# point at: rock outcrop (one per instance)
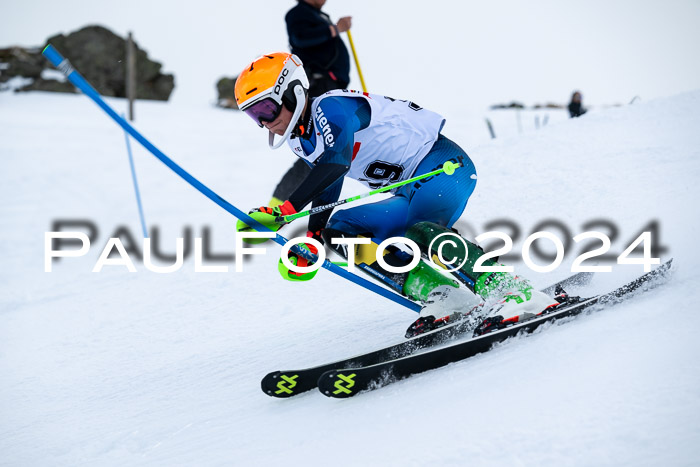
(225, 87)
(98, 54)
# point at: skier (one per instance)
(379, 140)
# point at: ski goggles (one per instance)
(266, 110)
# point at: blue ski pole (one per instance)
(79, 82)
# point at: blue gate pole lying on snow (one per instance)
(79, 82)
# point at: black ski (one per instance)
(289, 383)
(343, 383)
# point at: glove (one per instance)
(303, 262)
(267, 216)
(300, 260)
(283, 209)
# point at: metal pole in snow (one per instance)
(130, 75)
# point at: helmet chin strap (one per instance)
(301, 102)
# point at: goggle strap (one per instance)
(301, 102)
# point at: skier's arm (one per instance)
(338, 119)
(319, 179)
(317, 222)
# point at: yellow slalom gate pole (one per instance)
(357, 63)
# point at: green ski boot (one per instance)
(463, 252)
(422, 279)
(508, 298)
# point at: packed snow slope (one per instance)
(120, 368)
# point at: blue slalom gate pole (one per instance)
(136, 183)
(79, 82)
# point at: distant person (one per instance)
(315, 39)
(576, 106)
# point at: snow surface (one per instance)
(121, 368)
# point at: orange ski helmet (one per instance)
(268, 83)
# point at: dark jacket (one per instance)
(576, 109)
(310, 38)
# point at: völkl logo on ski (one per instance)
(281, 386)
(348, 380)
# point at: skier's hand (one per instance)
(283, 209)
(300, 260)
(344, 23)
(267, 216)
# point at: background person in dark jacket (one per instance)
(576, 105)
(315, 39)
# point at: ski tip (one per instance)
(662, 270)
(666, 267)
